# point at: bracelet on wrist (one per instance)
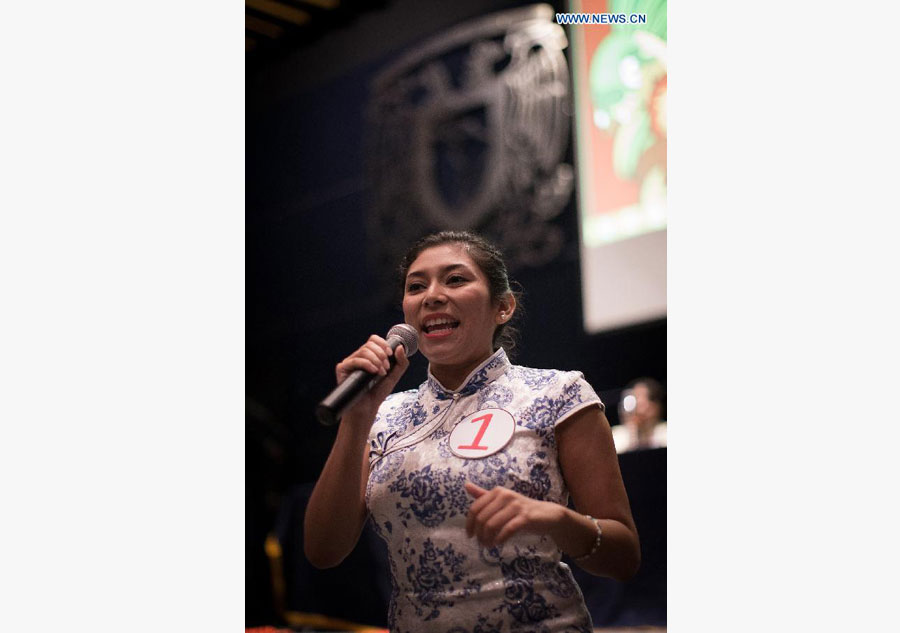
(596, 540)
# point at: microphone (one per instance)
(331, 409)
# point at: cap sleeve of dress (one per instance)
(575, 394)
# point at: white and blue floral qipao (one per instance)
(444, 581)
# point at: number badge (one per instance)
(482, 433)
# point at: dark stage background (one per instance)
(312, 295)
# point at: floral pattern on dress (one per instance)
(537, 379)
(443, 447)
(521, 601)
(384, 469)
(539, 418)
(493, 470)
(536, 484)
(496, 397)
(416, 415)
(399, 410)
(434, 496)
(560, 583)
(436, 575)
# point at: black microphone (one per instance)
(331, 409)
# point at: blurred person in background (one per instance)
(642, 412)
(467, 478)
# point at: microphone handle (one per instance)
(330, 410)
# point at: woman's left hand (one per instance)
(497, 514)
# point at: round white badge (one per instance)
(482, 433)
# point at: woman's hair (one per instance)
(490, 260)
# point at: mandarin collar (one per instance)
(490, 369)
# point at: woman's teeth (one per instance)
(440, 324)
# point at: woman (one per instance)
(642, 414)
(467, 477)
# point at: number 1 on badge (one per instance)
(487, 441)
(484, 425)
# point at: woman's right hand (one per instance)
(373, 357)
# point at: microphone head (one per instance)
(408, 336)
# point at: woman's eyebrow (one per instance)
(443, 271)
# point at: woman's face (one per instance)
(646, 410)
(448, 300)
